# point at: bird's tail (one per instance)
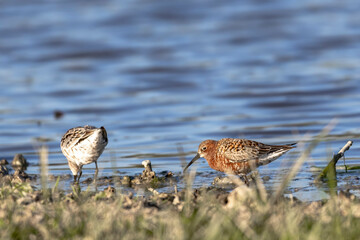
(275, 152)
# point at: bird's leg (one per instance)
(76, 184)
(75, 176)
(80, 173)
(244, 178)
(96, 171)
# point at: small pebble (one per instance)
(126, 180)
(19, 161)
(3, 170)
(3, 162)
(109, 191)
(266, 178)
(169, 174)
(147, 165)
(58, 114)
(87, 181)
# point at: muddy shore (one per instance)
(131, 207)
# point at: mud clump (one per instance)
(110, 192)
(147, 178)
(126, 180)
(222, 181)
(266, 178)
(58, 114)
(19, 161)
(4, 162)
(148, 173)
(20, 177)
(3, 170)
(88, 181)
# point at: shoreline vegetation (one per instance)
(204, 213)
(246, 212)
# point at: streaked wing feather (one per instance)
(241, 150)
(78, 134)
(246, 150)
(85, 133)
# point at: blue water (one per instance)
(164, 74)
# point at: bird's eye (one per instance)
(203, 149)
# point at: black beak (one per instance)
(197, 156)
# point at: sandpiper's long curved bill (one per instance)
(197, 156)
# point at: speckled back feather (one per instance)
(75, 135)
(241, 150)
